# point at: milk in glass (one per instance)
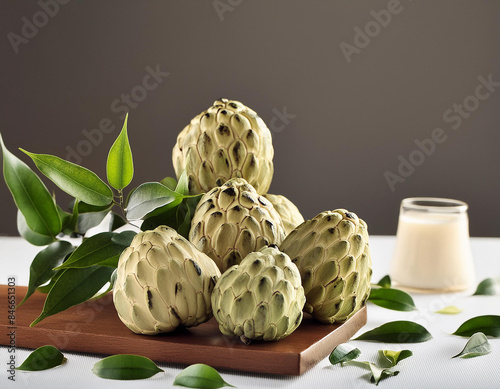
(433, 249)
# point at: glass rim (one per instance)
(434, 204)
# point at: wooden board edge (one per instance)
(289, 363)
(320, 350)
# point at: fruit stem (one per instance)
(120, 203)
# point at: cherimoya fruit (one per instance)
(232, 221)
(228, 140)
(163, 282)
(261, 298)
(332, 254)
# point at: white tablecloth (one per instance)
(431, 365)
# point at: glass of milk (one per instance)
(432, 247)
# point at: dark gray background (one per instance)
(353, 120)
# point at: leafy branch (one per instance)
(72, 275)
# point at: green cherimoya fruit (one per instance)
(290, 214)
(228, 140)
(232, 221)
(261, 298)
(163, 282)
(333, 256)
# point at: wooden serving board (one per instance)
(95, 327)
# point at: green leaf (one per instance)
(116, 222)
(488, 287)
(124, 238)
(343, 353)
(185, 213)
(31, 236)
(96, 250)
(73, 287)
(178, 217)
(397, 332)
(90, 216)
(183, 207)
(120, 166)
(46, 288)
(43, 358)
(87, 208)
(185, 226)
(86, 221)
(378, 373)
(487, 324)
(385, 282)
(476, 346)
(43, 263)
(125, 367)
(102, 294)
(169, 182)
(449, 310)
(167, 218)
(391, 358)
(200, 376)
(112, 279)
(69, 220)
(148, 197)
(30, 195)
(394, 299)
(182, 186)
(65, 216)
(75, 180)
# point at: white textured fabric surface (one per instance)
(430, 367)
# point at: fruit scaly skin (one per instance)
(332, 254)
(228, 140)
(163, 282)
(290, 214)
(232, 221)
(261, 298)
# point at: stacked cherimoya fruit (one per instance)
(228, 140)
(290, 214)
(233, 220)
(261, 298)
(163, 282)
(273, 263)
(333, 256)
